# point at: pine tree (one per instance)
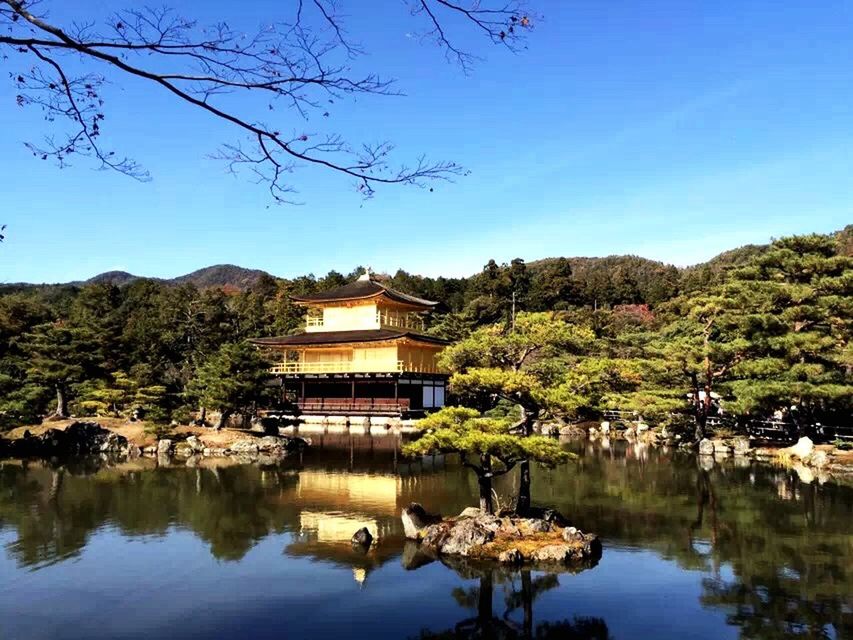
(499, 363)
(796, 303)
(60, 356)
(487, 446)
(231, 381)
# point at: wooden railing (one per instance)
(343, 366)
(358, 405)
(351, 366)
(403, 321)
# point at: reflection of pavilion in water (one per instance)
(335, 503)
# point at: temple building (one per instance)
(363, 352)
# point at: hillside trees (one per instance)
(797, 301)
(59, 357)
(774, 334)
(231, 381)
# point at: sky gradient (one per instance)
(668, 129)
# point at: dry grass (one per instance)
(527, 545)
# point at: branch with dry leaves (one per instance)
(303, 63)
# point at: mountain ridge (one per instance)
(235, 277)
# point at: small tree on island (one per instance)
(518, 364)
(231, 381)
(487, 446)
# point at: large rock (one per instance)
(467, 535)
(721, 448)
(416, 519)
(535, 525)
(164, 447)
(589, 543)
(706, 447)
(818, 459)
(803, 449)
(741, 446)
(573, 430)
(272, 443)
(362, 538)
(511, 556)
(80, 438)
(244, 447)
(195, 445)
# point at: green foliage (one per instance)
(524, 365)
(232, 380)
(468, 433)
(774, 333)
(773, 322)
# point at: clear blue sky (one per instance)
(668, 129)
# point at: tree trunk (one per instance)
(202, 415)
(484, 600)
(523, 505)
(698, 414)
(699, 434)
(61, 403)
(527, 602)
(223, 420)
(484, 479)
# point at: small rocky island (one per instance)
(542, 538)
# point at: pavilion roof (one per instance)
(362, 289)
(318, 338)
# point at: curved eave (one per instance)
(337, 338)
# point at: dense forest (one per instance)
(765, 327)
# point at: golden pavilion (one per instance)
(363, 352)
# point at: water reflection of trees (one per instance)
(520, 590)
(785, 544)
(776, 551)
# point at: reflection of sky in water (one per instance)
(172, 587)
(251, 552)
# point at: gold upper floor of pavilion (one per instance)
(360, 327)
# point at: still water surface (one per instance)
(220, 550)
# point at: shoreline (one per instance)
(821, 462)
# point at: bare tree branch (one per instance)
(304, 63)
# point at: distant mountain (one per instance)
(118, 278)
(222, 275)
(603, 279)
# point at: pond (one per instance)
(691, 550)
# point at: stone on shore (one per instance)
(706, 447)
(741, 446)
(803, 449)
(721, 448)
(511, 556)
(416, 519)
(164, 447)
(195, 445)
(818, 459)
(244, 447)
